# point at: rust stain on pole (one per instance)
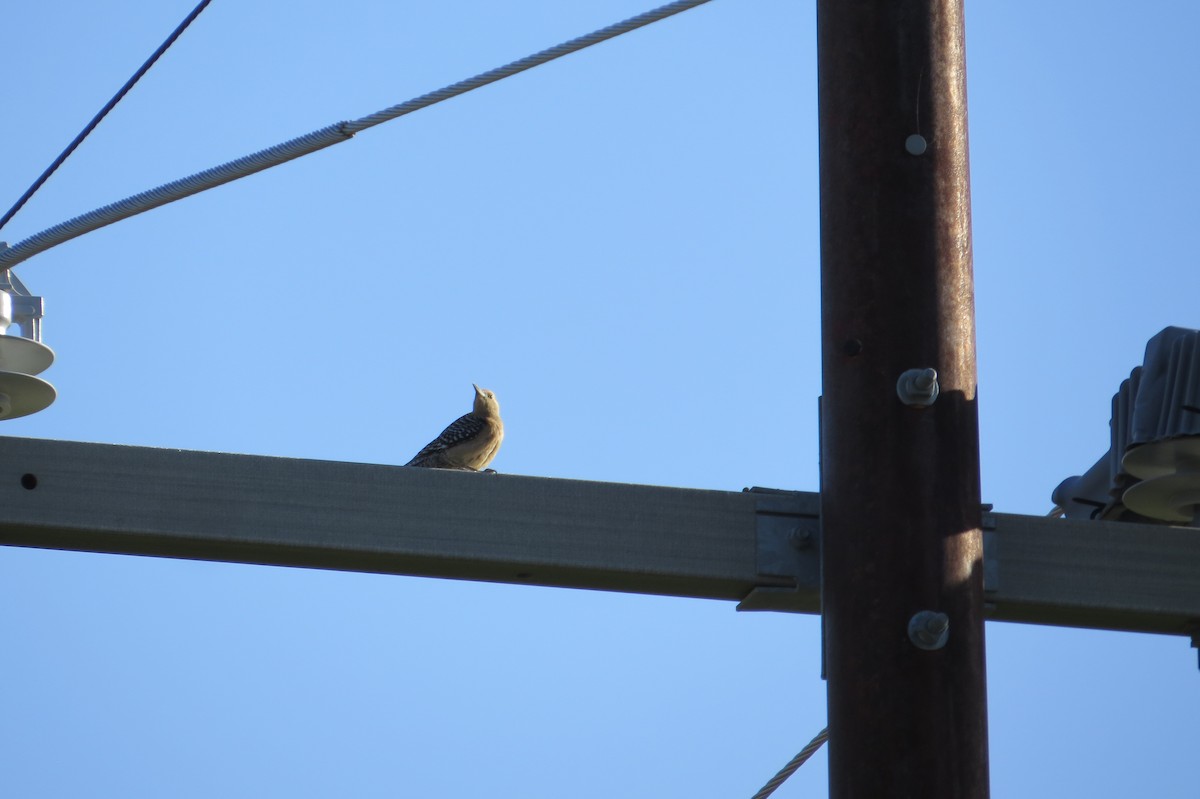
(900, 485)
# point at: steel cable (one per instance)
(116, 98)
(795, 763)
(325, 137)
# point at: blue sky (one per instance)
(624, 246)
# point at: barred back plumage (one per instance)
(469, 442)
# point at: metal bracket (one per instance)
(991, 557)
(27, 310)
(788, 551)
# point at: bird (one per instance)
(470, 442)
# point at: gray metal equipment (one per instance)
(23, 355)
(1152, 469)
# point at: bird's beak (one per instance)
(478, 390)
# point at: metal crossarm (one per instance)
(760, 548)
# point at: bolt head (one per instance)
(916, 144)
(801, 538)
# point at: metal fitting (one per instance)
(916, 144)
(801, 538)
(21, 307)
(929, 630)
(918, 388)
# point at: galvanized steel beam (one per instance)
(760, 547)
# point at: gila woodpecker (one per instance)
(470, 442)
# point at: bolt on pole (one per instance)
(902, 552)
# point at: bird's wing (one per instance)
(464, 428)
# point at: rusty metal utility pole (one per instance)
(900, 482)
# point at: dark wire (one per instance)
(37, 184)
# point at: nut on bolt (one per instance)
(918, 388)
(929, 629)
(800, 537)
